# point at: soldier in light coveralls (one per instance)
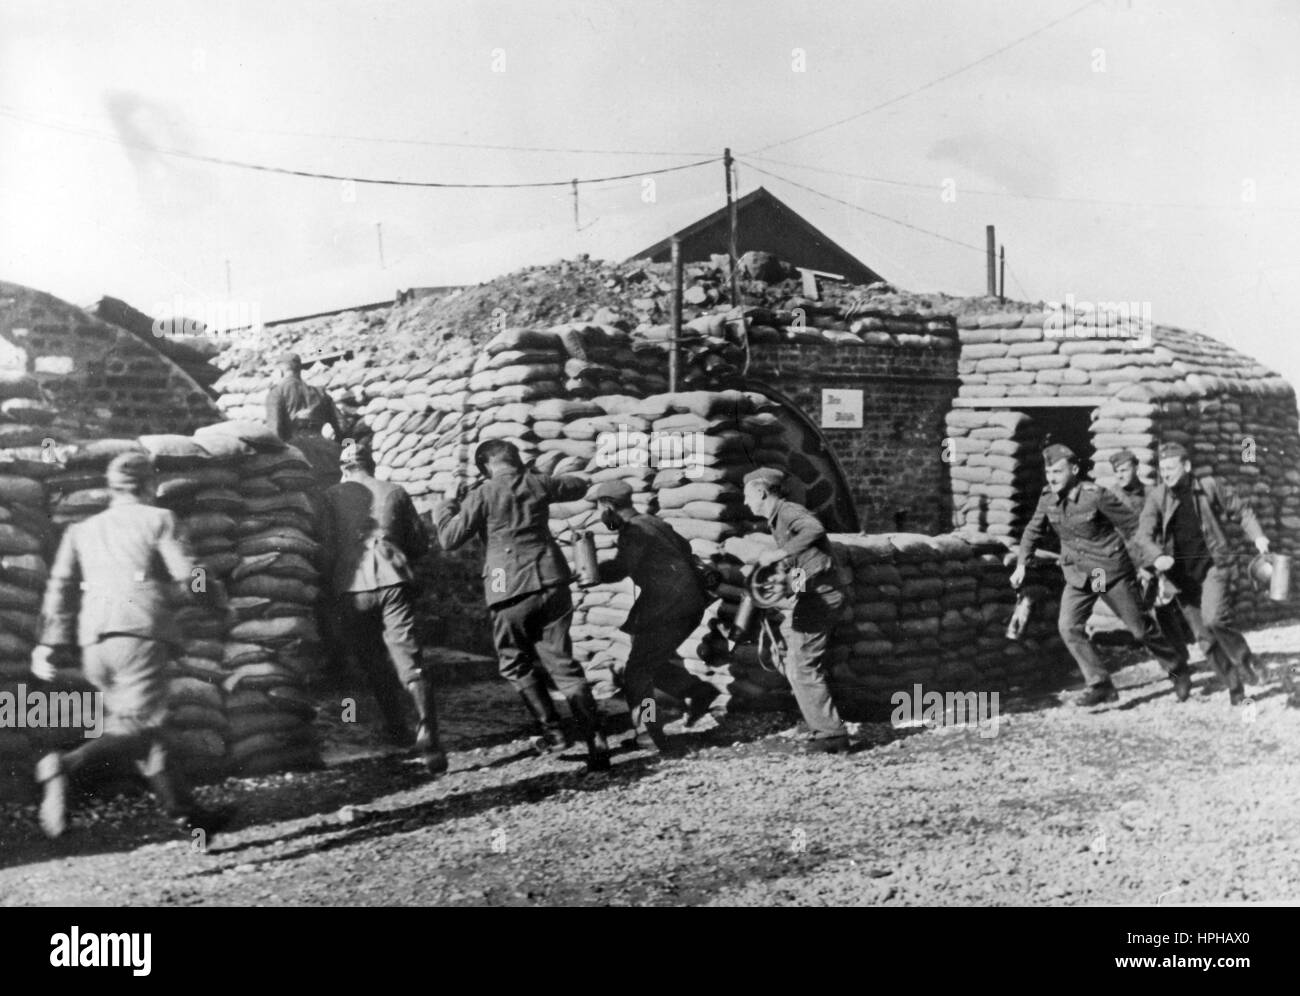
(112, 590)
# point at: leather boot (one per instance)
(179, 806)
(538, 701)
(54, 802)
(426, 735)
(586, 718)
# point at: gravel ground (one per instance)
(1145, 801)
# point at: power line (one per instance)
(380, 139)
(285, 171)
(876, 214)
(926, 86)
(1029, 197)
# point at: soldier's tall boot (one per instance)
(54, 801)
(179, 805)
(426, 734)
(586, 718)
(538, 701)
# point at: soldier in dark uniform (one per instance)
(298, 412)
(670, 604)
(1090, 523)
(372, 537)
(1133, 493)
(526, 583)
(1181, 532)
(113, 589)
(803, 548)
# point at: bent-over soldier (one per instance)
(670, 604)
(804, 549)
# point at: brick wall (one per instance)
(893, 465)
(97, 372)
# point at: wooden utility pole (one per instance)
(379, 231)
(675, 347)
(990, 241)
(1002, 273)
(731, 220)
(576, 226)
(228, 291)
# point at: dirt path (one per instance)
(1149, 800)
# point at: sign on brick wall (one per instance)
(841, 408)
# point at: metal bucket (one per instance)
(1019, 618)
(584, 560)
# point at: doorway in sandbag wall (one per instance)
(1069, 425)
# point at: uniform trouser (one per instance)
(653, 662)
(804, 660)
(1204, 606)
(1169, 619)
(1123, 597)
(375, 621)
(128, 671)
(532, 629)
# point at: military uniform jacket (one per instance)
(662, 566)
(1214, 503)
(116, 573)
(511, 514)
(800, 534)
(293, 404)
(372, 535)
(1091, 524)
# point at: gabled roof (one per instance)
(762, 201)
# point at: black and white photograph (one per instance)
(478, 453)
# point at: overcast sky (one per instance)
(1135, 151)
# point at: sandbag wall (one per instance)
(237, 699)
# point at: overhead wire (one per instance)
(926, 86)
(338, 177)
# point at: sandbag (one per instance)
(276, 629)
(258, 435)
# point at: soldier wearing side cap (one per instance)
(372, 538)
(1182, 536)
(1091, 524)
(804, 549)
(113, 589)
(1130, 489)
(298, 412)
(526, 585)
(670, 604)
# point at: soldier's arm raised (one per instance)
(568, 487)
(456, 523)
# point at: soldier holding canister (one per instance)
(1090, 523)
(1181, 531)
(670, 604)
(804, 549)
(1130, 490)
(526, 584)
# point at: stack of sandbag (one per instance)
(996, 469)
(919, 610)
(24, 537)
(273, 646)
(197, 481)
